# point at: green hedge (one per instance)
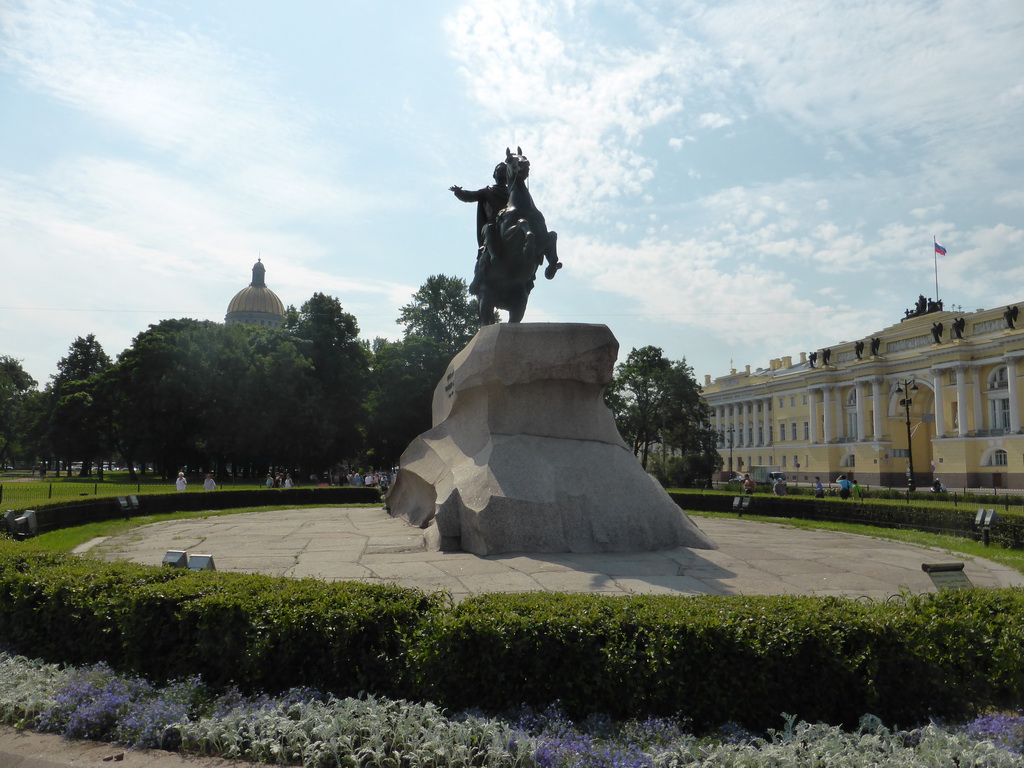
(1008, 530)
(713, 659)
(258, 632)
(74, 512)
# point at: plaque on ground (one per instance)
(524, 455)
(947, 575)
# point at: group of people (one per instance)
(181, 482)
(847, 488)
(374, 479)
(278, 480)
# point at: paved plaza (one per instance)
(366, 544)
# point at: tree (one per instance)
(15, 388)
(341, 364)
(638, 398)
(442, 310)
(658, 402)
(403, 378)
(75, 410)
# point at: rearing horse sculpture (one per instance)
(525, 243)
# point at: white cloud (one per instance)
(713, 120)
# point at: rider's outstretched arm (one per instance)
(468, 195)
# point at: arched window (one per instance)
(995, 458)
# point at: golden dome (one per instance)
(256, 304)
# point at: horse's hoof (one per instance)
(549, 273)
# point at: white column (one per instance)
(826, 395)
(940, 408)
(961, 400)
(742, 424)
(812, 396)
(876, 405)
(977, 413)
(766, 420)
(1011, 387)
(858, 387)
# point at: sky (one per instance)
(730, 181)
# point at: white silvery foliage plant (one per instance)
(801, 744)
(366, 731)
(26, 688)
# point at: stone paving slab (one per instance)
(366, 544)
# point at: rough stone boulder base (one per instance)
(524, 456)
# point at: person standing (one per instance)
(209, 484)
(181, 483)
(819, 490)
(844, 486)
(858, 494)
(748, 484)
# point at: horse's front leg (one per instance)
(551, 253)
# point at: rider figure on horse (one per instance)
(490, 201)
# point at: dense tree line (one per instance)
(308, 396)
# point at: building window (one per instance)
(998, 458)
(851, 399)
(770, 431)
(807, 430)
(750, 435)
(805, 399)
(792, 401)
(796, 462)
(851, 425)
(999, 413)
(783, 461)
(997, 379)
(792, 430)
(782, 402)
(760, 435)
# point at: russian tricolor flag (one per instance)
(940, 250)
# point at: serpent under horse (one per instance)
(525, 243)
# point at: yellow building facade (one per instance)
(939, 389)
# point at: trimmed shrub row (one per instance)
(1008, 530)
(80, 511)
(713, 659)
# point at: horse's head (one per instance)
(518, 166)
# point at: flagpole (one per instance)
(935, 258)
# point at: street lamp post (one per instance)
(905, 388)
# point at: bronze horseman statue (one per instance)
(513, 240)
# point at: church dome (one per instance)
(256, 304)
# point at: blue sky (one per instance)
(730, 181)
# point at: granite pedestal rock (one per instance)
(524, 456)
